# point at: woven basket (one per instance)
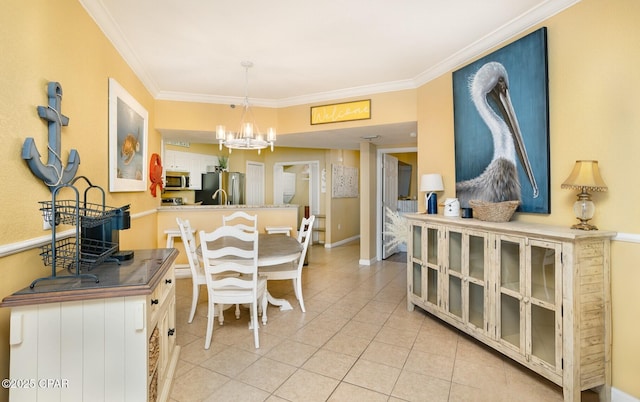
(493, 211)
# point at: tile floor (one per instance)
(356, 342)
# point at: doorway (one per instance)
(383, 192)
(297, 182)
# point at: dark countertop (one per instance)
(138, 276)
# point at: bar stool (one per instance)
(278, 230)
(182, 270)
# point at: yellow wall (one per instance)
(594, 97)
(46, 41)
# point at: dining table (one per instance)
(273, 249)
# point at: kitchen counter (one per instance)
(138, 276)
(225, 207)
(209, 218)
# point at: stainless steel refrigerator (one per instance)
(233, 184)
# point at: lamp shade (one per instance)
(431, 182)
(585, 174)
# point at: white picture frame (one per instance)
(128, 141)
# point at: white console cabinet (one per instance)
(111, 341)
(536, 293)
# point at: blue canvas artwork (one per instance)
(501, 123)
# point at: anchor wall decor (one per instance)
(52, 173)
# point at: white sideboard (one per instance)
(538, 294)
(73, 340)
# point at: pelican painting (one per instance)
(492, 161)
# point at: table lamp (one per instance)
(585, 176)
(430, 183)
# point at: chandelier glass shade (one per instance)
(248, 136)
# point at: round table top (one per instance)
(273, 249)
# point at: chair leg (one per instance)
(298, 288)
(254, 318)
(221, 314)
(237, 311)
(264, 302)
(210, 319)
(194, 301)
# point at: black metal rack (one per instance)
(77, 253)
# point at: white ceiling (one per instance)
(306, 51)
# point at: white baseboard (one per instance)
(619, 396)
(341, 242)
(368, 262)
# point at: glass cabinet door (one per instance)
(423, 263)
(454, 273)
(432, 266)
(415, 261)
(545, 298)
(530, 312)
(477, 269)
(465, 276)
(511, 322)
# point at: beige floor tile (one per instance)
(196, 385)
(237, 392)
(479, 375)
(374, 376)
(346, 392)
(330, 364)
(305, 386)
(291, 352)
(430, 364)
(465, 393)
(313, 336)
(348, 345)
(417, 387)
(472, 350)
(398, 337)
(230, 361)
(266, 374)
(361, 330)
(441, 343)
(384, 353)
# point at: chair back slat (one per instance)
(241, 220)
(229, 250)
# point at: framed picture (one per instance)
(339, 112)
(501, 126)
(127, 141)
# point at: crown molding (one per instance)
(516, 26)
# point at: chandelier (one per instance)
(248, 136)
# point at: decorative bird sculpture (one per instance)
(499, 181)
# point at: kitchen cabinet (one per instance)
(176, 161)
(113, 340)
(194, 163)
(539, 294)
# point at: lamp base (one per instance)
(583, 225)
(432, 204)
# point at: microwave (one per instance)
(177, 181)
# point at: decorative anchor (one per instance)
(52, 174)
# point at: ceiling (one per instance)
(306, 51)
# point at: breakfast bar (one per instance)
(209, 217)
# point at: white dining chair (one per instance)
(241, 220)
(293, 270)
(247, 223)
(197, 272)
(231, 273)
